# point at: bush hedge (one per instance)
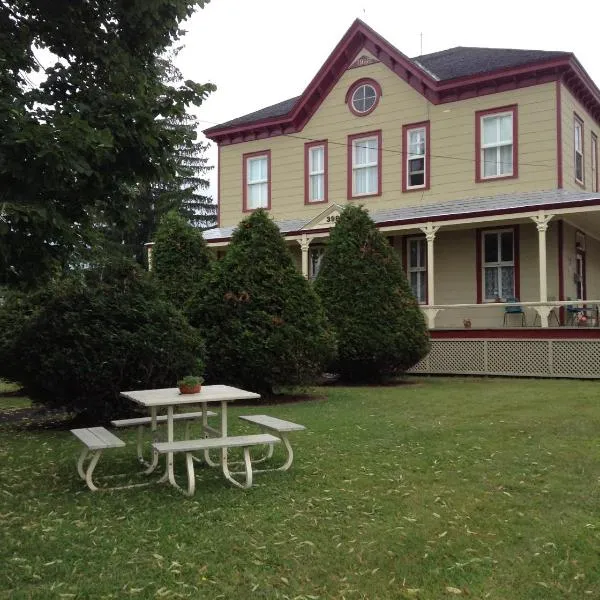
(79, 343)
(379, 327)
(263, 324)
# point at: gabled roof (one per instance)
(440, 77)
(477, 206)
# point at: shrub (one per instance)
(85, 341)
(379, 326)
(263, 324)
(180, 258)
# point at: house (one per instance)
(480, 166)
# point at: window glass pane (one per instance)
(506, 160)
(506, 128)
(372, 150)
(507, 280)
(416, 179)
(414, 254)
(257, 195)
(257, 169)
(490, 130)
(422, 253)
(490, 242)
(360, 181)
(490, 162)
(360, 152)
(414, 283)
(372, 180)
(422, 297)
(317, 187)
(577, 136)
(317, 159)
(578, 166)
(364, 98)
(506, 246)
(491, 283)
(416, 144)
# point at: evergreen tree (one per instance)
(263, 324)
(380, 328)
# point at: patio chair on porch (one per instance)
(574, 313)
(514, 310)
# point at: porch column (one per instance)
(304, 245)
(430, 231)
(541, 221)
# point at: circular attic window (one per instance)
(363, 97)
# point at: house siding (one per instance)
(452, 148)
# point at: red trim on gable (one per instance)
(377, 133)
(354, 87)
(559, 148)
(245, 158)
(405, 130)
(307, 148)
(561, 268)
(478, 117)
(532, 333)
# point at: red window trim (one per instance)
(492, 111)
(245, 158)
(580, 183)
(354, 87)
(307, 147)
(405, 130)
(479, 259)
(596, 183)
(357, 136)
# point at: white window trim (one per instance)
(578, 123)
(315, 173)
(498, 264)
(250, 183)
(410, 157)
(368, 165)
(497, 145)
(419, 268)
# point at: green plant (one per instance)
(380, 329)
(190, 381)
(84, 341)
(262, 321)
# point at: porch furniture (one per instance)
(190, 446)
(142, 422)
(281, 428)
(95, 440)
(514, 310)
(573, 312)
(168, 398)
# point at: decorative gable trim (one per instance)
(325, 219)
(363, 61)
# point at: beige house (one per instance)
(480, 166)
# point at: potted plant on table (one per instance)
(190, 384)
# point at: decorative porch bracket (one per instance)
(430, 315)
(542, 221)
(430, 230)
(544, 313)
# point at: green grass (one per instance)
(447, 488)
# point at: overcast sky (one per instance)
(259, 52)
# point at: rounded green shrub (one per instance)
(380, 329)
(263, 324)
(180, 258)
(80, 343)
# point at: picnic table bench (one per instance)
(190, 446)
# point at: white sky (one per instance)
(259, 52)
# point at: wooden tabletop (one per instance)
(172, 396)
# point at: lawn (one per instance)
(442, 488)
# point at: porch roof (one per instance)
(508, 204)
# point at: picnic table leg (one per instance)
(248, 471)
(86, 474)
(209, 461)
(169, 473)
(224, 434)
(153, 428)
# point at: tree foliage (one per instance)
(380, 328)
(80, 342)
(263, 324)
(77, 148)
(180, 259)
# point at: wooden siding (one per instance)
(452, 147)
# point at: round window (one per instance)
(364, 97)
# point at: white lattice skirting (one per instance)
(514, 358)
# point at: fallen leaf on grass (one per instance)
(453, 590)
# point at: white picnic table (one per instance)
(168, 398)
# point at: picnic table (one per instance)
(168, 398)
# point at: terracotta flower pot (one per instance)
(189, 389)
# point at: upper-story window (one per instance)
(315, 168)
(496, 139)
(364, 164)
(363, 96)
(578, 147)
(415, 170)
(594, 163)
(498, 265)
(257, 180)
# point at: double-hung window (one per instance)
(497, 143)
(578, 143)
(364, 165)
(594, 163)
(257, 180)
(315, 156)
(498, 265)
(416, 157)
(417, 267)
